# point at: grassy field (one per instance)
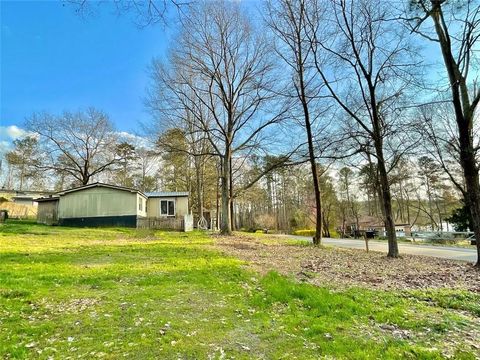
(122, 293)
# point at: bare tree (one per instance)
(221, 72)
(80, 144)
(455, 27)
(288, 21)
(365, 62)
(144, 12)
(346, 179)
(175, 108)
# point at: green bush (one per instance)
(334, 234)
(304, 232)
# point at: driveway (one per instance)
(446, 252)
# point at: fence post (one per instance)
(188, 222)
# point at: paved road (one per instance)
(446, 252)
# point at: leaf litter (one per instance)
(340, 269)
(344, 268)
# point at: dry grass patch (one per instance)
(342, 268)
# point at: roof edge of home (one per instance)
(167, 194)
(100, 184)
(44, 199)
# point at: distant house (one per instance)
(19, 206)
(371, 223)
(101, 204)
(22, 199)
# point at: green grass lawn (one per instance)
(121, 293)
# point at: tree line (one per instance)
(335, 106)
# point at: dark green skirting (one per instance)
(99, 221)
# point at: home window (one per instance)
(140, 204)
(167, 207)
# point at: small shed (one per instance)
(47, 212)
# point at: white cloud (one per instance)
(4, 146)
(7, 135)
(11, 132)
(135, 140)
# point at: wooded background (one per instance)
(291, 115)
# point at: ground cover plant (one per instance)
(122, 293)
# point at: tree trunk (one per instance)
(472, 198)
(464, 112)
(375, 192)
(232, 212)
(387, 205)
(22, 175)
(317, 239)
(409, 221)
(85, 179)
(401, 202)
(433, 224)
(269, 194)
(284, 205)
(199, 189)
(217, 209)
(226, 225)
(326, 226)
(385, 193)
(370, 205)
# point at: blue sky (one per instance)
(53, 60)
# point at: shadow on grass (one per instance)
(104, 266)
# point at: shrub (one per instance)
(265, 221)
(304, 232)
(334, 234)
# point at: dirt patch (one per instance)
(349, 267)
(73, 306)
